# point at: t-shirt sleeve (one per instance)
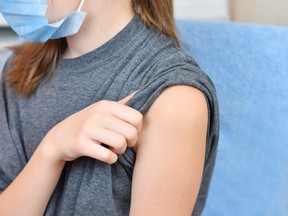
(188, 73)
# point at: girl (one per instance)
(102, 112)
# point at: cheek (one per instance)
(58, 9)
(49, 11)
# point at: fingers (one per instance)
(96, 151)
(128, 114)
(126, 99)
(96, 123)
(119, 110)
(123, 128)
(110, 138)
(110, 128)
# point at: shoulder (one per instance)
(169, 59)
(160, 48)
(178, 110)
(180, 99)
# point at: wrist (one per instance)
(48, 153)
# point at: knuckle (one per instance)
(133, 134)
(121, 142)
(114, 159)
(138, 118)
(109, 157)
(121, 151)
(138, 121)
(106, 156)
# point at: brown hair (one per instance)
(32, 62)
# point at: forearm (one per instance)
(116, 125)
(30, 192)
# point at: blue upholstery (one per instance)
(249, 67)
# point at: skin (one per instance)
(169, 139)
(104, 19)
(170, 154)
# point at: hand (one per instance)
(101, 131)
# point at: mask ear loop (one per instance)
(80, 6)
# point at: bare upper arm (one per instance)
(170, 154)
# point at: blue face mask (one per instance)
(27, 19)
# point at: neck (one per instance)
(104, 19)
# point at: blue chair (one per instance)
(249, 66)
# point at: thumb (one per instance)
(127, 98)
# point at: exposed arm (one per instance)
(170, 154)
(81, 134)
(30, 192)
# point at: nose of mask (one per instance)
(27, 18)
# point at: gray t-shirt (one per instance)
(137, 58)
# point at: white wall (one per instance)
(202, 9)
(260, 11)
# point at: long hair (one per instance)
(32, 62)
